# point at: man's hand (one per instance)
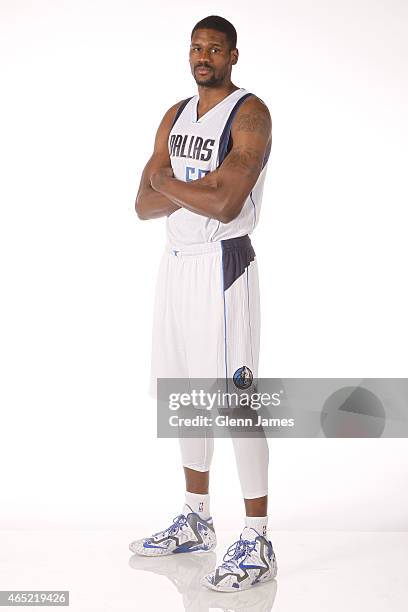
(158, 178)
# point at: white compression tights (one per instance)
(251, 455)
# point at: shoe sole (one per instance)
(152, 552)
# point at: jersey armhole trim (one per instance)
(226, 133)
(180, 110)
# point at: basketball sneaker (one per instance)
(249, 561)
(187, 533)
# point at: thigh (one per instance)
(242, 322)
(202, 316)
(168, 358)
(220, 326)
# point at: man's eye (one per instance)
(216, 50)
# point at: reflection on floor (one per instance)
(185, 572)
(317, 571)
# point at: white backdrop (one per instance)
(85, 85)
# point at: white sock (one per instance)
(199, 503)
(260, 523)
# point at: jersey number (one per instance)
(193, 174)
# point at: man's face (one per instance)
(211, 58)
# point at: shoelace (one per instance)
(178, 522)
(239, 549)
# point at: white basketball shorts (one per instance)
(206, 321)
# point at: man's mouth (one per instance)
(203, 71)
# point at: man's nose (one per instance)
(204, 56)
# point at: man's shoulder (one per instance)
(252, 115)
(177, 105)
(170, 114)
(172, 111)
(254, 104)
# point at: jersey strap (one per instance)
(180, 110)
(225, 144)
(226, 140)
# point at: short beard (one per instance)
(212, 82)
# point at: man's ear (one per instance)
(235, 55)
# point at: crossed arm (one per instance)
(221, 193)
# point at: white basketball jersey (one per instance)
(196, 147)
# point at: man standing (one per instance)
(206, 175)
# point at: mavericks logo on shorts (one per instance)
(243, 377)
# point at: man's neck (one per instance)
(210, 96)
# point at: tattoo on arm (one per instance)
(252, 122)
(246, 160)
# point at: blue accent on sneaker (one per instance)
(186, 548)
(148, 545)
(240, 548)
(242, 566)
